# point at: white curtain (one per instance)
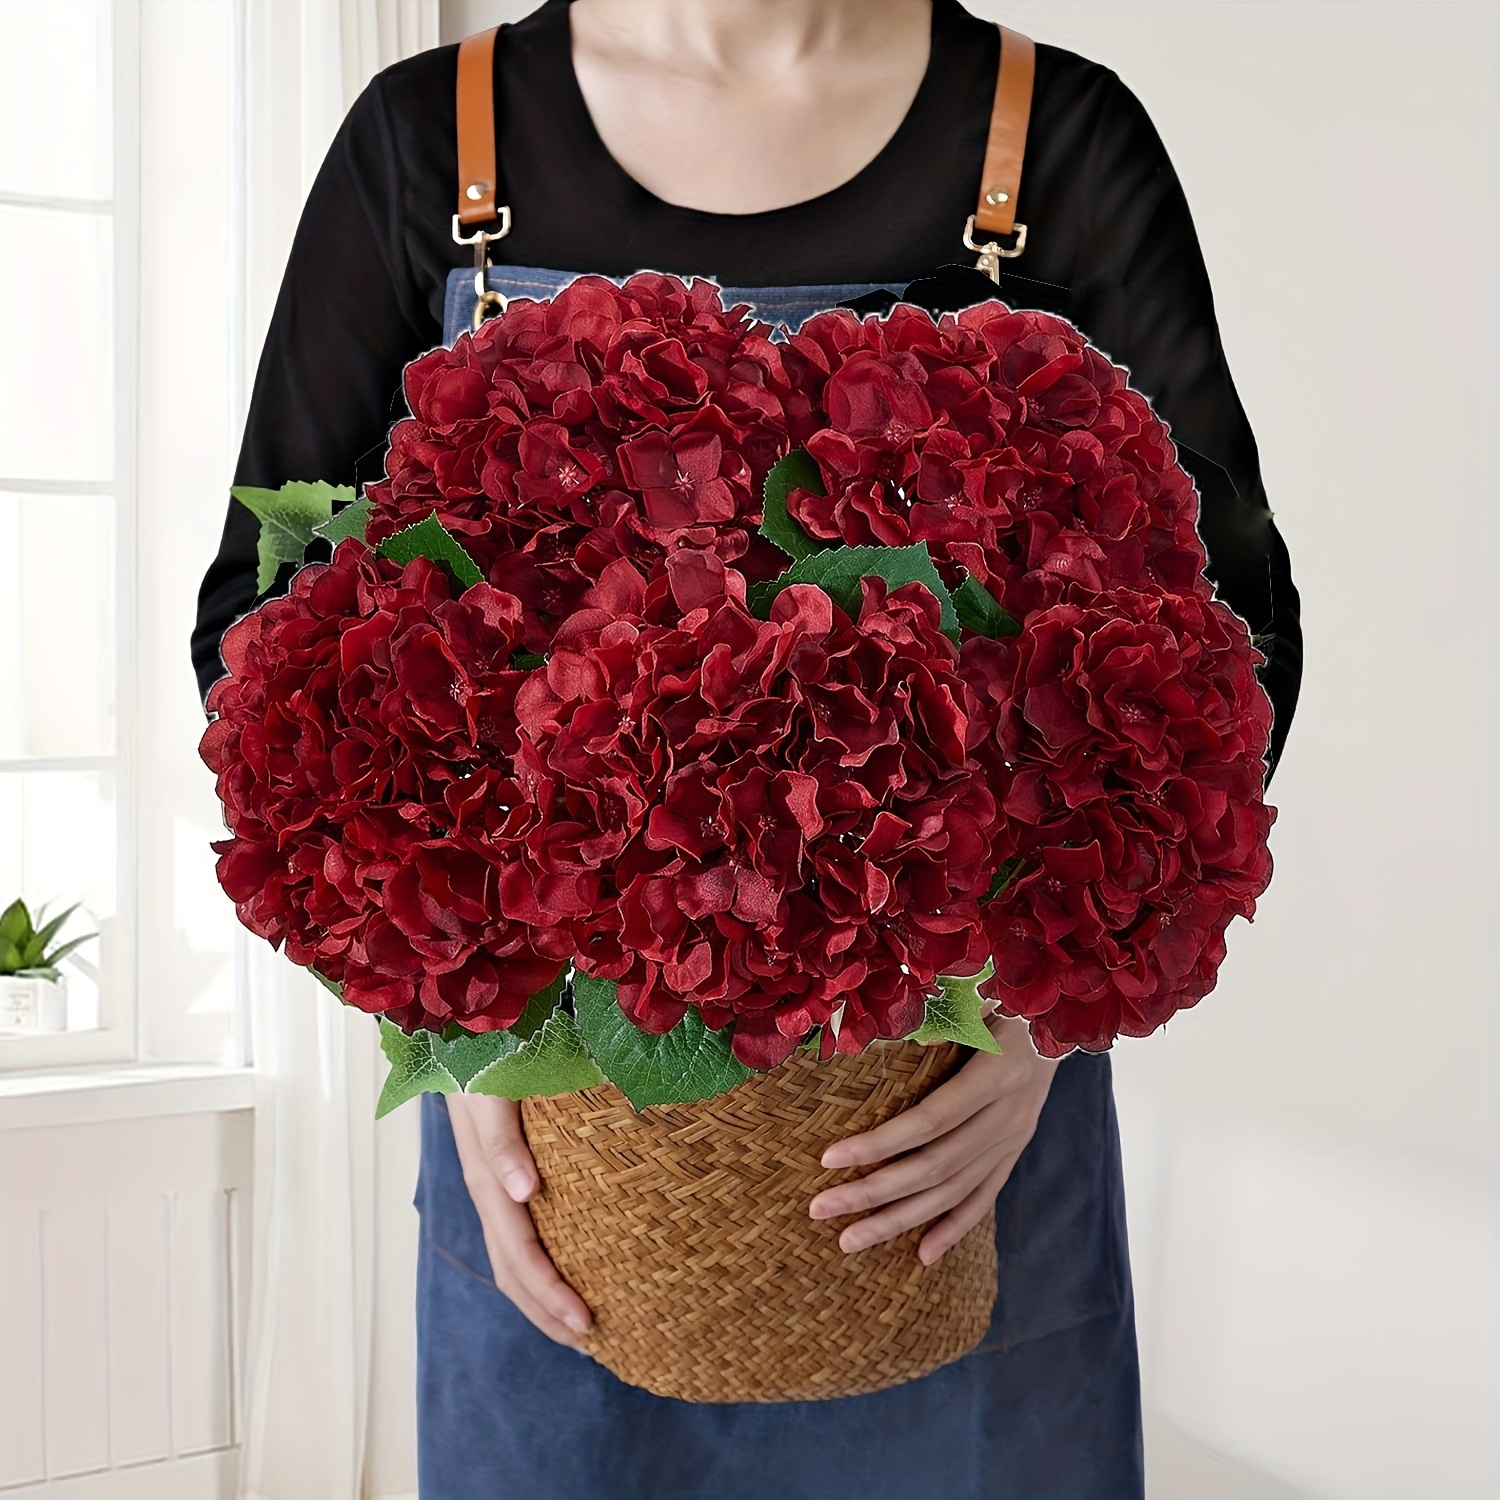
(307, 1388)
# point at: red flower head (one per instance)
(357, 731)
(608, 422)
(775, 821)
(1006, 441)
(1130, 731)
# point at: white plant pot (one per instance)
(30, 1003)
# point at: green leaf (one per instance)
(1004, 877)
(955, 1012)
(15, 922)
(797, 471)
(429, 538)
(56, 956)
(350, 521)
(554, 1060)
(688, 1062)
(837, 571)
(981, 612)
(10, 956)
(331, 985)
(32, 951)
(287, 519)
(46, 971)
(414, 1067)
(423, 1062)
(541, 1005)
(469, 1053)
(527, 661)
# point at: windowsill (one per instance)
(121, 1091)
(67, 1051)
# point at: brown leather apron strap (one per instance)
(478, 173)
(1004, 152)
(476, 128)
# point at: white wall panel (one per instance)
(140, 1327)
(208, 1476)
(22, 1452)
(75, 1336)
(121, 1246)
(200, 1320)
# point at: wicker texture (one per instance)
(685, 1229)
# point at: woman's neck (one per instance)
(743, 39)
(737, 106)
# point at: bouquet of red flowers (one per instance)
(685, 695)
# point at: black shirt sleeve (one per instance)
(344, 326)
(1141, 293)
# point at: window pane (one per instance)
(57, 846)
(56, 345)
(57, 625)
(56, 98)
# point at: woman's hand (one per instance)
(501, 1176)
(961, 1142)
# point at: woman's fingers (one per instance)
(491, 1142)
(908, 1212)
(935, 1114)
(960, 1219)
(955, 1149)
(525, 1273)
(924, 1168)
(497, 1124)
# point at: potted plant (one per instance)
(33, 990)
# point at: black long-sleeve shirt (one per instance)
(1109, 233)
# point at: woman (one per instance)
(833, 144)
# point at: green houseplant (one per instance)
(33, 990)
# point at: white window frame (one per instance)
(116, 1038)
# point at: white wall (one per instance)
(462, 18)
(1312, 1153)
(123, 1246)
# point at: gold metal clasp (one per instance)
(991, 252)
(481, 240)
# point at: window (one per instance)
(65, 493)
(116, 353)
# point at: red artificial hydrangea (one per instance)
(609, 422)
(358, 743)
(1128, 730)
(1006, 441)
(1124, 728)
(774, 821)
(788, 823)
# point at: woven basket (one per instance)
(685, 1229)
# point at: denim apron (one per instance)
(1047, 1407)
